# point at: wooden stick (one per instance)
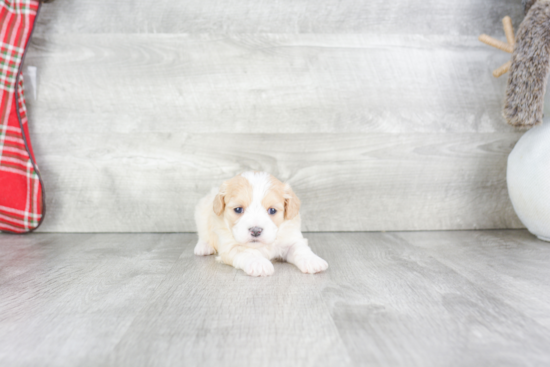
(509, 30)
(502, 70)
(496, 43)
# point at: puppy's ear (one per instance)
(292, 203)
(219, 200)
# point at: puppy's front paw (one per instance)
(312, 264)
(202, 248)
(259, 267)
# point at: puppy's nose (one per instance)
(255, 231)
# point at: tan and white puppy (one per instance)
(252, 219)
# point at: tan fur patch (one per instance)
(238, 193)
(274, 198)
(292, 203)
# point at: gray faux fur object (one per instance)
(527, 4)
(529, 71)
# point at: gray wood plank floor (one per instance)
(472, 298)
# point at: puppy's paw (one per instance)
(202, 248)
(312, 264)
(259, 267)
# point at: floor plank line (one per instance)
(458, 298)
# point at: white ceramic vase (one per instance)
(528, 178)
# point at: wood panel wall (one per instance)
(382, 115)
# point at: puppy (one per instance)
(250, 220)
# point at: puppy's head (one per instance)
(254, 205)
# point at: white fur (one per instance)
(256, 215)
(233, 245)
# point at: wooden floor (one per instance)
(468, 298)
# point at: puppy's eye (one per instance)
(272, 211)
(238, 210)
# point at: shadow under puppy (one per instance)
(250, 220)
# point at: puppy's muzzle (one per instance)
(255, 231)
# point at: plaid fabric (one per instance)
(21, 199)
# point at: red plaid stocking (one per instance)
(21, 197)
